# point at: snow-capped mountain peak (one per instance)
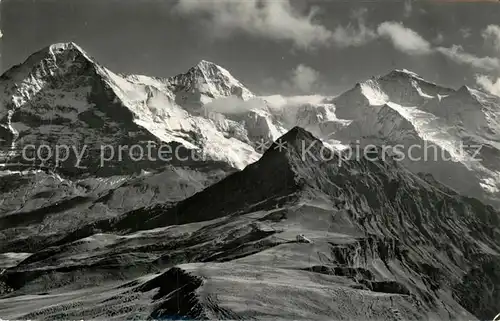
(55, 60)
(405, 77)
(466, 90)
(68, 46)
(402, 73)
(210, 81)
(402, 87)
(453, 121)
(206, 65)
(60, 94)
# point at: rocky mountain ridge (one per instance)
(218, 231)
(383, 243)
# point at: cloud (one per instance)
(458, 55)
(301, 80)
(1, 34)
(410, 42)
(492, 32)
(354, 36)
(233, 105)
(404, 39)
(279, 20)
(274, 19)
(489, 85)
(277, 102)
(465, 32)
(408, 9)
(304, 78)
(439, 39)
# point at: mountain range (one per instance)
(265, 213)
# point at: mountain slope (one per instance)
(451, 134)
(61, 96)
(60, 100)
(384, 243)
(304, 232)
(207, 81)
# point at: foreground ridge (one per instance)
(377, 232)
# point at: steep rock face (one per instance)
(376, 231)
(459, 128)
(62, 96)
(319, 119)
(46, 90)
(61, 99)
(469, 110)
(385, 126)
(204, 82)
(409, 89)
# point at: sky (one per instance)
(272, 46)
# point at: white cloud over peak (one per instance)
(465, 32)
(438, 39)
(404, 39)
(233, 105)
(274, 19)
(354, 35)
(492, 32)
(457, 54)
(304, 78)
(408, 8)
(279, 20)
(410, 42)
(488, 84)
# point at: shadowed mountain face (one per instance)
(379, 243)
(61, 101)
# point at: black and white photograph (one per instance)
(250, 160)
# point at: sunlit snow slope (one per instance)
(452, 134)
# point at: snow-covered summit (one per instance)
(402, 73)
(207, 81)
(443, 119)
(64, 47)
(54, 60)
(61, 95)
